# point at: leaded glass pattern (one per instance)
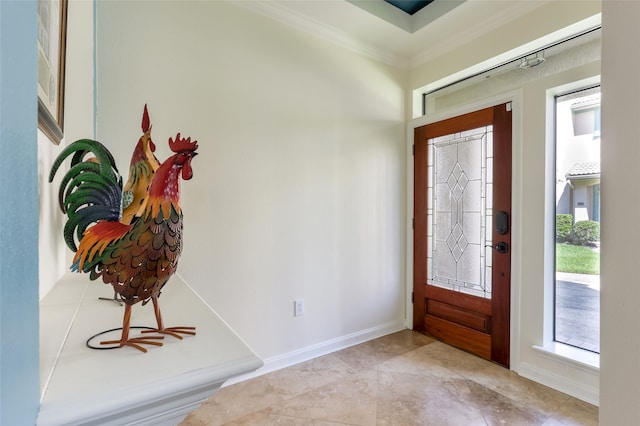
(459, 211)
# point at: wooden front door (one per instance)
(462, 231)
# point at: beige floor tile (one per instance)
(408, 399)
(494, 377)
(372, 353)
(351, 401)
(264, 418)
(463, 363)
(360, 357)
(234, 402)
(499, 409)
(405, 339)
(553, 422)
(575, 413)
(419, 362)
(301, 378)
(524, 391)
(402, 379)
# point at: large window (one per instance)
(577, 260)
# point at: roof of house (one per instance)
(588, 102)
(589, 168)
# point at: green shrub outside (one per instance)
(586, 232)
(564, 226)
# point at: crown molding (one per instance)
(293, 19)
(278, 11)
(475, 31)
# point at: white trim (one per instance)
(572, 87)
(577, 28)
(285, 360)
(572, 356)
(293, 19)
(590, 394)
(517, 226)
(550, 206)
(515, 97)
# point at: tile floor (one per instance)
(404, 378)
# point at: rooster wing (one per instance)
(137, 259)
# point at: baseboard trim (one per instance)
(323, 348)
(577, 390)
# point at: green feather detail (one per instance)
(127, 199)
(90, 191)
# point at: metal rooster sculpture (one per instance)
(131, 238)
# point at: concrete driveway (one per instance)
(578, 310)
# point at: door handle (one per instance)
(501, 247)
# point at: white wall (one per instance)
(54, 254)
(299, 188)
(620, 366)
(51, 246)
(535, 308)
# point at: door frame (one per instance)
(515, 97)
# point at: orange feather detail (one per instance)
(97, 238)
(157, 206)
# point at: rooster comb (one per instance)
(181, 145)
(146, 123)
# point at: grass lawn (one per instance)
(577, 259)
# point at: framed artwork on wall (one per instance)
(52, 38)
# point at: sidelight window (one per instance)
(577, 230)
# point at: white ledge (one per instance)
(124, 386)
(575, 357)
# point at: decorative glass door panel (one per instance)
(459, 205)
(462, 238)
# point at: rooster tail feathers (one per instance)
(80, 148)
(75, 267)
(90, 191)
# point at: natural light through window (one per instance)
(577, 231)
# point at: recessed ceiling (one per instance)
(410, 16)
(409, 7)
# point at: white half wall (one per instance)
(299, 188)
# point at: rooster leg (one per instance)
(135, 342)
(115, 298)
(173, 331)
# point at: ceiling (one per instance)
(409, 7)
(383, 31)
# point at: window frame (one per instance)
(570, 355)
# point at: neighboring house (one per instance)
(578, 155)
(583, 180)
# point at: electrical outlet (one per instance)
(298, 307)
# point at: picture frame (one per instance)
(52, 40)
